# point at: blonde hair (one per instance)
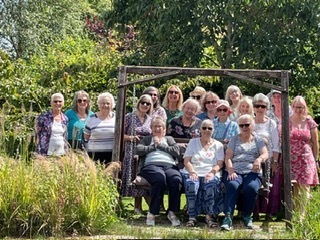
(301, 100)
(144, 97)
(246, 100)
(230, 89)
(165, 103)
(76, 97)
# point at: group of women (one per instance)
(233, 143)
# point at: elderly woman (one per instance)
(208, 106)
(157, 109)
(267, 129)
(198, 93)
(172, 102)
(78, 117)
(304, 153)
(244, 155)
(233, 96)
(187, 125)
(136, 126)
(51, 129)
(245, 106)
(99, 130)
(203, 161)
(224, 128)
(158, 154)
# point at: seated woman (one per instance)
(203, 161)
(244, 155)
(158, 153)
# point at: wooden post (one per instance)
(286, 148)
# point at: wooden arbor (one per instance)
(252, 76)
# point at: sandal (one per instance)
(191, 223)
(212, 222)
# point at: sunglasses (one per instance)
(207, 128)
(82, 100)
(244, 125)
(213, 102)
(57, 101)
(222, 110)
(145, 103)
(259, 106)
(173, 92)
(153, 94)
(197, 97)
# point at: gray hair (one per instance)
(105, 95)
(57, 95)
(260, 97)
(244, 117)
(193, 102)
(208, 122)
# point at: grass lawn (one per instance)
(133, 225)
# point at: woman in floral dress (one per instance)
(303, 154)
(137, 125)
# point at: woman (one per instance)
(157, 109)
(203, 161)
(78, 117)
(172, 102)
(267, 129)
(304, 152)
(224, 128)
(244, 155)
(245, 106)
(187, 125)
(51, 129)
(136, 126)
(233, 96)
(99, 130)
(198, 94)
(208, 105)
(159, 168)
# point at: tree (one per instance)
(275, 34)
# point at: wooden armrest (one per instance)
(182, 140)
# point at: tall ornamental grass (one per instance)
(55, 197)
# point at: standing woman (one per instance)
(78, 116)
(233, 96)
(136, 126)
(99, 130)
(157, 109)
(203, 161)
(172, 102)
(245, 106)
(267, 129)
(51, 129)
(304, 152)
(208, 106)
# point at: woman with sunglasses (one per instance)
(172, 102)
(99, 130)
(224, 128)
(266, 128)
(137, 125)
(157, 109)
(198, 94)
(244, 155)
(208, 106)
(203, 161)
(78, 117)
(51, 129)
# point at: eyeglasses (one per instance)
(145, 103)
(82, 100)
(173, 92)
(207, 128)
(222, 110)
(153, 94)
(57, 101)
(213, 102)
(197, 97)
(244, 125)
(259, 106)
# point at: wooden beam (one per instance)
(147, 79)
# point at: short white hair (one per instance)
(53, 96)
(105, 95)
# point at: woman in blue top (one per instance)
(78, 116)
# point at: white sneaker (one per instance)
(150, 219)
(173, 219)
